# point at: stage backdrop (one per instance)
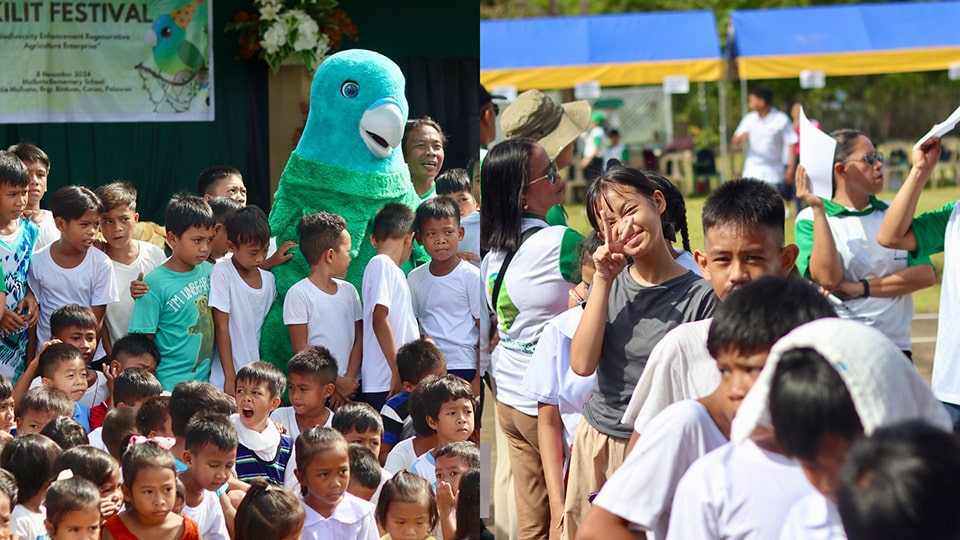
(106, 61)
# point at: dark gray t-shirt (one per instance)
(637, 317)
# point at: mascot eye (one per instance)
(166, 32)
(350, 89)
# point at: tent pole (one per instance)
(743, 97)
(668, 112)
(724, 168)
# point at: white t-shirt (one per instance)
(813, 518)
(330, 319)
(471, 235)
(209, 517)
(401, 456)
(288, 417)
(352, 519)
(118, 314)
(384, 284)
(641, 490)
(679, 367)
(27, 523)
(549, 378)
(687, 261)
(49, 233)
(96, 439)
(770, 136)
(247, 308)
(736, 491)
(448, 309)
(90, 283)
(426, 467)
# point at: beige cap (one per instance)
(533, 114)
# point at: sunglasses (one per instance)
(871, 159)
(551, 175)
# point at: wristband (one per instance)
(866, 288)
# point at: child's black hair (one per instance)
(268, 511)
(902, 482)
(441, 389)
(468, 519)
(452, 181)
(358, 416)
(143, 455)
(319, 232)
(763, 92)
(415, 409)
(118, 425)
(212, 175)
(135, 345)
(72, 202)
(66, 432)
(364, 467)
(30, 152)
(210, 429)
(415, 358)
(467, 451)
(317, 362)
(758, 313)
(263, 372)
(248, 225)
(12, 171)
(675, 214)
(808, 399)
(744, 203)
(135, 385)
(152, 415)
(54, 355)
(30, 459)
(437, 208)
(185, 211)
(614, 181)
(394, 220)
(70, 495)
(313, 442)
(87, 462)
(407, 487)
(588, 246)
(224, 208)
(8, 486)
(45, 398)
(69, 315)
(6, 388)
(191, 397)
(117, 194)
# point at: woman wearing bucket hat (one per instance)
(536, 116)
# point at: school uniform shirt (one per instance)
(118, 314)
(209, 517)
(330, 318)
(288, 417)
(384, 284)
(175, 310)
(16, 254)
(641, 490)
(95, 438)
(90, 283)
(247, 308)
(48, 231)
(448, 309)
(352, 519)
(736, 491)
(813, 518)
(400, 457)
(426, 467)
(28, 524)
(679, 367)
(855, 234)
(770, 137)
(549, 378)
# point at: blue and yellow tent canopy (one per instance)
(616, 50)
(854, 39)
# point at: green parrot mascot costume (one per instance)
(346, 163)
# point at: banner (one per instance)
(106, 61)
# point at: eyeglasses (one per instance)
(871, 159)
(551, 175)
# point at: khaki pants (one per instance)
(530, 488)
(594, 458)
(504, 505)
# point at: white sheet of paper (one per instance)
(938, 130)
(816, 156)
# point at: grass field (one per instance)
(925, 301)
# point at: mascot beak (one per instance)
(381, 127)
(150, 37)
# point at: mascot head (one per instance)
(357, 113)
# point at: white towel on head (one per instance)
(883, 384)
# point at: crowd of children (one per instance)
(134, 402)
